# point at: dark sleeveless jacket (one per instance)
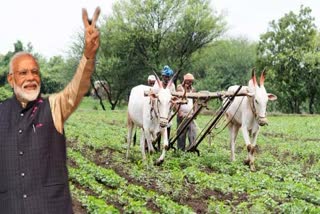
(33, 173)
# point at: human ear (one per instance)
(10, 80)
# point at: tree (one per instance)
(54, 74)
(224, 63)
(283, 50)
(312, 62)
(143, 36)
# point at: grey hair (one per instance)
(16, 56)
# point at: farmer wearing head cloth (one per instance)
(151, 80)
(186, 111)
(166, 74)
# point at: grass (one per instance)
(286, 181)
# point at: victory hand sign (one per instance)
(91, 34)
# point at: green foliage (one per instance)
(224, 63)
(218, 207)
(285, 49)
(92, 204)
(5, 92)
(105, 176)
(142, 36)
(286, 180)
(55, 74)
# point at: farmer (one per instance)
(185, 112)
(33, 172)
(151, 80)
(166, 75)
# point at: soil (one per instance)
(77, 207)
(197, 200)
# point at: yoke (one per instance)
(204, 97)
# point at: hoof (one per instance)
(252, 168)
(159, 162)
(251, 149)
(246, 162)
(151, 150)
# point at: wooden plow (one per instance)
(187, 120)
(203, 98)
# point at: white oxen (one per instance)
(248, 113)
(150, 113)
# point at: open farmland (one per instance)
(287, 179)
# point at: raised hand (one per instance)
(92, 35)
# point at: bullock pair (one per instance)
(248, 113)
(150, 113)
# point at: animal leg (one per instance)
(142, 147)
(246, 137)
(148, 138)
(129, 136)
(233, 131)
(165, 146)
(253, 150)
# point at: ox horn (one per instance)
(263, 76)
(158, 80)
(253, 77)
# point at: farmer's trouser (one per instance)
(191, 130)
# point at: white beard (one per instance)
(26, 96)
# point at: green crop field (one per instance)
(287, 179)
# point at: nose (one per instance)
(30, 76)
(262, 121)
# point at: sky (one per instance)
(50, 26)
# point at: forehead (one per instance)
(261, 93)
(164, 94)
(24, 62)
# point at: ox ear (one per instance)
(272, 97)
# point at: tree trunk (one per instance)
(113, 106)
(311, 104)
